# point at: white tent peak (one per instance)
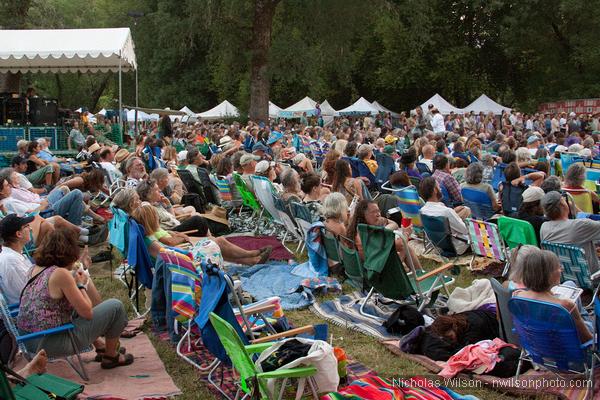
(327, 109)
(186, 110)
(443, 106)
(385, 110)
(274, 110)
(66, 50)
(485, 104)
(224, 109)
(360, 106)
(305, 104)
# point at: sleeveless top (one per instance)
(42, 311)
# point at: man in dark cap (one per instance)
(560, 229)
(15, 232)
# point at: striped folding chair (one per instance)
(572, 258)
(486, 241)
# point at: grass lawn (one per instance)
(358, 346)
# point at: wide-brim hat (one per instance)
(94, 148)
(121, 155)
(217, 214)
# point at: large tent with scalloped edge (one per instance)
(385, 110)
(223, 110)
(296, 110)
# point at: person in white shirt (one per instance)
(428, 154)
(14, 266)
(437, 121)
(431, 193)
(106, 161)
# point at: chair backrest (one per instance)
(331, 245)
(512, 197)
(479, 202)
(241, 360)
(351, 262)
(505, 324)
(263, 189)
(382, 267)
(445, 195)
(410, 204)
(191, 184)
(248, 198)
(223, 188)
(498, 176)
(568, 159)
(486, 240)
(364, 171)
(118, 229)
(9, 322)
(385, 167)
(582, 199)
(573, 261)
(353, 161)
(415, 181)
(548, 333)
(516, 231)
(439, 233)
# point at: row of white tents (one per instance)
(308, 107)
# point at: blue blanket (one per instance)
(267, 280)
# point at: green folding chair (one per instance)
(248, 198)
(351, 262)
(385, 272)
(36, 387)
(251, 380)
(516, 231)
(331, 245)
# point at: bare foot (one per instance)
(35, 366)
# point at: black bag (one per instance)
(403, 320)
(100, 236)
(8, 345)
(194, 200)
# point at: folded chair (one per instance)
(440, 235)
(248, 198)
(251, 380)
(353, 268)
(10, 312)
(486, 241)
(479, 202)
(516, 231)
(385, 273)
(505, 324)
(549, 338)
(330, 243)
(575, 267)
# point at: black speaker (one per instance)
(43, 111)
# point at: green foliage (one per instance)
(197, 52)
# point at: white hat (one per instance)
(585, 153)
(572, 114)
(575, 148)
(560, 149)
(263, 166)
(532, 193)
(225, 140)
(182, 155)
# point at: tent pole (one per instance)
(120, 101)
(136, 101)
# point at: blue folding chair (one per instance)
(353, 161)
(549, 338)
(440, 235)
(423, 169)
(364, 171)
(479, 202)
(574, 263)
(385, 167)
(498, 176)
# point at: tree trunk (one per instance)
(97, 93)
(260, 84)
(14, 15)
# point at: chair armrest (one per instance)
(47, 332)
(434, 272)
(183, 216)
(301, 372)
(291, 332)
(257, 348)
(587, 344)
(256, 309)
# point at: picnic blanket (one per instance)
(258, 242)
(145, 379)
(267, 280)
(529, 383)
(344, 311)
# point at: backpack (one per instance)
(512, 197)
(403, 320)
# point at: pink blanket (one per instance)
(479, 358)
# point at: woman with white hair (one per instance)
(335, 210)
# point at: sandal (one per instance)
(265, 253)
(100, 353)
(114, 362)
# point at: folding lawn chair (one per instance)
(549, 338)
(479, 202)
(498, 176)
(486, 241)
(35, 387)
(505, 324)
(385, 167)
(568, 159)
(410, 204)
(191, 185)
(351, 262)
(303, 219)
(330, 243)
(365, 172)
(423, 169)
(574, 264)
(582, 199)
(440, 235)
(516, 231)
(248, 198)
(10, 312)
(385, 272)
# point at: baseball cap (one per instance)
(389, 150)
(247, 158)
(11, 224)
(18, 159)
(275, 136)
(532, 193)
(389, 139)
(550, 201)
(260, 146)
(182, 155)
(532, 139)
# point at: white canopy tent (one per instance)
(274, 110)
(102, 112)
(141, 116)
(327, 110)
(443, 106)
(187, 110)
(306, 105)
(360, 107)
(69, 50)
(486, 105)
(223, 110)
(385, 110)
